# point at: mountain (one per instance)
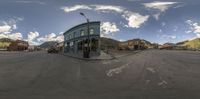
(171, 44)
(47, 45)
(108, 43)
(6, 40)
(5, 43)
(146, 43)
(191, 44)
(114, 44)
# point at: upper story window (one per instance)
(66, 37)
(82, 32)
(70, 36)
(75, 35)
(91, 31)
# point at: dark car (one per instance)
(52, 50)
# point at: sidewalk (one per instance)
(104, 56)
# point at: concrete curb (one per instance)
(90, 59)
(86, 59)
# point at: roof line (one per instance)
(80, 25)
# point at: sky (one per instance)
(160, 21)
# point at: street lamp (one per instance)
(87, 53)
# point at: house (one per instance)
(60, 46)
(76, 39)
(135, 44)
(168, 46)
(5, 43)
(18, 45)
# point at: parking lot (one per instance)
(150, 74)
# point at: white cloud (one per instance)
(32, 36)
(122, 40)
(134, 20)
(194, 27)
(14, 36)
(189, 31)
(175, 28)
(169, 36)
(31, 2)
(9, 25)
(76, 7)
(157, 16)
(189, 22)
(108, 28)
(14, 26)
(160, 6)
(107, 8)
(198, 35)
(163, 23)
(51, 37)
(5, 29)
(160, 30)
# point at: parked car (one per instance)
(52, 50)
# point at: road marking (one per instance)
(151, 69)
(117, 70)
(163, 83)
(109, 62)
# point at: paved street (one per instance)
(151, 74)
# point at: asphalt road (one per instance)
(151, 74)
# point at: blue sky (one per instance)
(159, 21)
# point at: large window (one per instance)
(91, 31)
(70, 36)
(66, 37)
(71, 44)
(82, 32)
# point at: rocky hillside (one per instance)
(192, 44)
(47, 45)
(108, 43)
(6, 40)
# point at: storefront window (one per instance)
(71, 43)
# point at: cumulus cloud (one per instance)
(5, 29)
(169, 36)
(14, 36)
(51, 37)
(9, 25)
(134, 20)
(194, 27)
(160, 6)
(108, 28)
(76, 7)
(108, 8)
(32, 36)
(198, 35)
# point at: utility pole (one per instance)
(87, 53)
